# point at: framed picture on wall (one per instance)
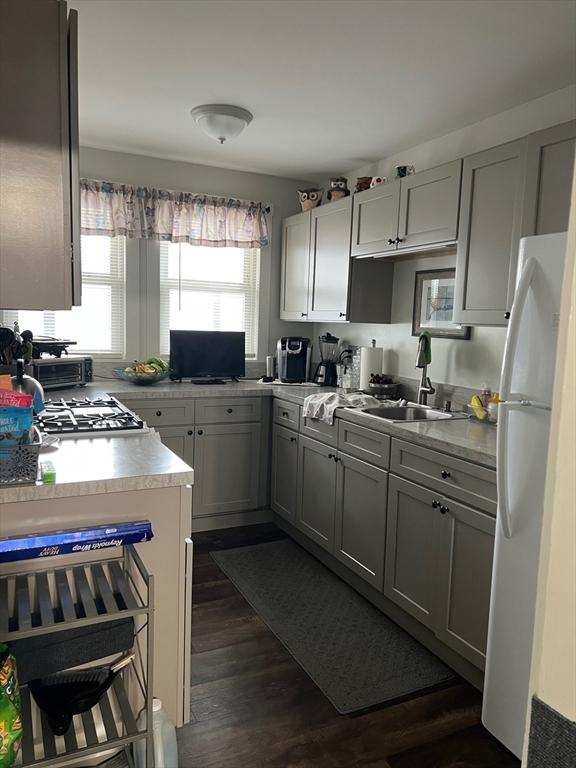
(434, 305)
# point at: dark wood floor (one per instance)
(254, 707)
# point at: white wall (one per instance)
(189, 177)
(464, 363)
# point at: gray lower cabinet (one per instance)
(284, 471)
(316, 484)
(466, 547)
(439, 565)
(549, 179)
(409, 578)
(226, 468)
(329, 261)
(490, 226)
(360, 519)
(180, 440)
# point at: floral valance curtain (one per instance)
(179, 217)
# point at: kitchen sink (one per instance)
(408, 413)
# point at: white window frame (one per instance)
(131, 307)
(142, 304)
(150, 301)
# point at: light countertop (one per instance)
(103, 465)
(463, 438)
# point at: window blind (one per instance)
(98, 325)
(209, 289)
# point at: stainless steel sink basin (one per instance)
(407, 413)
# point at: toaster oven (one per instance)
(54, 372)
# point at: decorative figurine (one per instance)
(310, 198)
(404, 170)
(338, 189)
(362, 183)
(377, 180)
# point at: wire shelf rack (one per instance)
(81, 594)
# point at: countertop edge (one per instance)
(94, 487)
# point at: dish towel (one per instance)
(323, 405)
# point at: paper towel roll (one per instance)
(370, 362)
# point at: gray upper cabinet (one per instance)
(284, 472)
(409, 579)
(316, 484)
(466, 545)
(360, 520)
(329, 260)
(39, 194)
(375, 220)
(549, 171)
(490, 225)
(429, 207)
(227, 468)
(295, 267)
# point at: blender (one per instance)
(326, 374)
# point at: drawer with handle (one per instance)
(285, 413)
(227, 410)
(163, 413)
(364, 443)
(460, 479)
(319, 430)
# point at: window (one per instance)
(97, 325)
(209, 289)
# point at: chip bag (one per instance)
(10, 709)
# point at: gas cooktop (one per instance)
(88, 417)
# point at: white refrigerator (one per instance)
(526, 388)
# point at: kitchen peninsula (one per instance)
(107, 480)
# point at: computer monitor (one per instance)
(207, 355)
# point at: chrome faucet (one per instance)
(425, 387)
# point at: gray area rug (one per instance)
(354, 654)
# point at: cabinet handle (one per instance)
(190, 432)
(228, 410)
(443, 510)
(303, 314)
(435, 503)
(391, 241)
(342, 314)
(292, 439)
(158, 413)
(332, 456)
(200, 431)
(399, 240)
(506, 315)
(285, 414)
(444, 474)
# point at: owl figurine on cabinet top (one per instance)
(338, 189)
(310, 198)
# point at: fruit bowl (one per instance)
(141, 378)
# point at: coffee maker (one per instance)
(293, 359)
(326, 373)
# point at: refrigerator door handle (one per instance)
(510, 347)
(502, 470)
(514, 326)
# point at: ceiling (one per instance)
(333, 84)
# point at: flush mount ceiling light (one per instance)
(221, 121)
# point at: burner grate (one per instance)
(79, 416)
